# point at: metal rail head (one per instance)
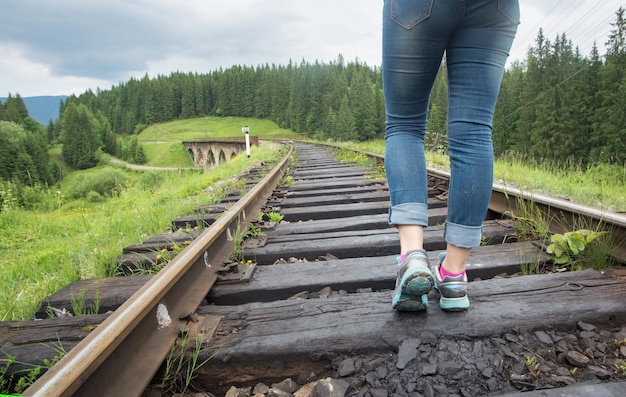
(120, 357)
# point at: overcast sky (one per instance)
(61, 47)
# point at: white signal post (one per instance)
(246, 130)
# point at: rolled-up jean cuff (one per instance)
(463, 236)
(409, 214)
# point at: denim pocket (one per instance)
(510, 9)
(409, 13)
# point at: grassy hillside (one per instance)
(207, 128)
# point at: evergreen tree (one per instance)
(10, 148)
(150, 103)
(554, 134)
(140, 155)
(299, 99)
(50, 131)
(363, 105)
(80, 137)
(533, 86)
(506, 118)
(132, 149)
(188, 100)
(23, 155)
(36, 146)
(15, 109)
(344, 123)
(616, 44)
(612, 113)
(329, 126)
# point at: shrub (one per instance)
(37, 198)
(106, 182)
(150, 180)
(605, 173)
(94, 197)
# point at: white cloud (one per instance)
(15, 68)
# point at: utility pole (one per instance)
(246, 130)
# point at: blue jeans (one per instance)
(476, 36)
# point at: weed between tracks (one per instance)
(253, 231)
(584, 247)
(180, 369)
(363, 160)
(16, 376)
(78, 304)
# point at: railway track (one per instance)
(316, 300)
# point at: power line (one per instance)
(544, 93)
(538, 25)
(591, 23)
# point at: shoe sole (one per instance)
(454, 304)
(416, 283)
(411, 305)
(419, 284)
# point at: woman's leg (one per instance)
(414, 39)
(476, 58)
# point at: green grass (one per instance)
(167, 154)
(601, 186)
(44, 251)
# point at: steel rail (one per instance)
(121, 356)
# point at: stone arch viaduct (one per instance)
(210, 152)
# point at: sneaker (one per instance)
(413, 283)
(453, 290)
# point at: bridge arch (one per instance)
(210, 159)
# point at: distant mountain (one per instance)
(42, 108)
